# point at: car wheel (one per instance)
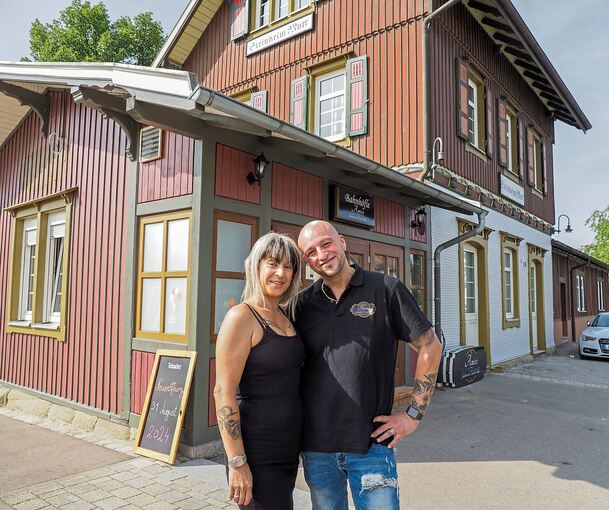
(581, 356)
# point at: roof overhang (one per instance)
(174, 100)
(187, 31)
(580, 256)
(501, 21)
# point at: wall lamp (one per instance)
(259, 165)
(568, 230)
(419, 218)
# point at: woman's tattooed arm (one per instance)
(229, 420)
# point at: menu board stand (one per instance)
(160, 425)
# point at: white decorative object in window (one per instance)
(30, 232)
(330, 106)
(54, 267)
(175, 305)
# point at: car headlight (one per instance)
(588, 338)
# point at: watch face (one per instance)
(414, 413)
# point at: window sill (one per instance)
(538, 193)
(44, 330)
(20, 324)
(479, 153)
(511, 323)
(514, 177)
(51, 326)
(280, 22)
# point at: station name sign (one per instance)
(280, 34)
(509, 189)
(353, 206)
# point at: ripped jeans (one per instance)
(372, 477)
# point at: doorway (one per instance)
(470, 278)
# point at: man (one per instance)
(350, 321)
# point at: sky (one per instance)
(574, 36)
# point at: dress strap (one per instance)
(259, 317)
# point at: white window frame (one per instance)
(533, 285)
(600, 291)
(29, 226)
(319, 98)
(471, 84)
(55, 220)
(301, 4)
(537, 163)
(278, 4)
(259, 23)
(508, 269)
(581, 304)
(509, 141)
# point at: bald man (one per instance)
(351, 321)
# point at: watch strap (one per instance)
(414, 413)
(237, 461)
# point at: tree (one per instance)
(599, 223)
(84, 33)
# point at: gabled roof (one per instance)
(175, 100)
(501, 21)
(499, 18)
(557, 246)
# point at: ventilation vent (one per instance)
(150, 143)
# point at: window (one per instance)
(234, 236)
(600, 291)
(417, 277)
(330, 106)
(40, 256)
(472, 112)
(472, 107)
(510, 283)
(538, 165)
(579, 289)
(269, 11)
(469, 261)
(163, 277)
(512, 141)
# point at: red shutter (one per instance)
(240, 14)
(502, 125)
(530, 157)
(462, 92)
(298, 106)
(357, 96)
(544, 158)
(260, 101)
(490, 121)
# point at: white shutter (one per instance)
(30, 237)
(58, 230)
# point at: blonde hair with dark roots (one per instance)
(282, 248)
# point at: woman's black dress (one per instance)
(271, 416)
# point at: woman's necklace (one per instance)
(332, 300)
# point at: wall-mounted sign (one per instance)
(280, 34)
(509, 189)
(353, 206)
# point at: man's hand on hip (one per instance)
(398, 425)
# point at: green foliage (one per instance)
(599, 223)
(84, 33)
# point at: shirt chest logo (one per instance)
(363, 309)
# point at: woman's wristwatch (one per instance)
(237, 461)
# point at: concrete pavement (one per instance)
(535, 436)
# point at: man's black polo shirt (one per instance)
(348, 375)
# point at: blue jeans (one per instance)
(373, 479)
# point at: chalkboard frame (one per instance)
(171, 457)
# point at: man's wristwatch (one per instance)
(237, 461)
(414, 413)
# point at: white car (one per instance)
(594, 340)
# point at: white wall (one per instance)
(509, 343)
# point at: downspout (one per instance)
(573, 287)
(427, 96)
(437, 268)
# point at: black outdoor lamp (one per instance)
(259, 165)
(568, 230)
(419, 218)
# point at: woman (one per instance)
(258, 361)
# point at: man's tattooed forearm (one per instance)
(227, 418)
(423, 389)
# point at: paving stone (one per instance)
(18, 497)
(111, 503)
(191, 504)
(43, 488)
(125, 492)
(108, 484)
(142, 500)
(123, 476)
(61, 499)
(78, 505)
(154, 489)
(31, 504)
(79, 488)
(188, 482)
(171, 496)
(142, 463)
(139, 483)
(160, 505)
(156, 469)
(95, 495)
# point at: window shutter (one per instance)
(357, 96)
(530, 157)
(58, 230)
(30, 237)
(490, 125)
(260, 100)
(502, 128)
(240, 14)
(298, 102)
(544, 162)
(150, 144)
(521, 151)
(462, 122)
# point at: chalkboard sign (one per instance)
(160, 424)
(462, 366)
(353, 206)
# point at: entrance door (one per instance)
(533, 305)
(359, 250)
(470, 265)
